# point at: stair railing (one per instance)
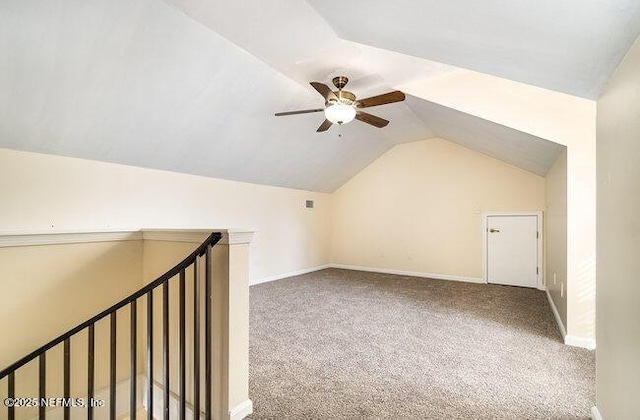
(66, 402)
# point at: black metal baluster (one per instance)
(165, 346)
(207, 332)
(89, 325)
(11, 393)
(196, 340)
(112, 368)
(67, 378)
(183, 382)
(133, 372)
(42, 385)
(91, 371)
(150, 355)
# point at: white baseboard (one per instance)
(290, 274)
(409, 273)
(241, 410)
(436, 276)
(595, 414)
(570, 340)
(556, 315)
(371, 270)
(584, 342)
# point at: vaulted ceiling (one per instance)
(570, 46)
(191, 85)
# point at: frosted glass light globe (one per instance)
(340, 113)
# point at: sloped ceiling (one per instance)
(191, 86)
(570, 46)
(523, 150)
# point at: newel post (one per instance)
(230, 326)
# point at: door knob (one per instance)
(494, 230)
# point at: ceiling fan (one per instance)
(342, 106)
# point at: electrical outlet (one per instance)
(561, 289)
(555, 279)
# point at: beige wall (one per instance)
(230, 330)
(49, 289)
(561, 118)
(59, 193)
(556, 236)
(159, 256)
(70, 283)
(618, 302)
(419, 208)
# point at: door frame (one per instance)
(485, 237)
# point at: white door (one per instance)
(512, 250)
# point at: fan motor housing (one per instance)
(344, 97)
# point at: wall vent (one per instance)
(309, 204)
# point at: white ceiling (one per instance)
(570, 46)
(191, 86)
(139, 83)
(523, 150)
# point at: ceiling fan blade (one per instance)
(324, 126)
(371, 119)
(324, 90)
(304, 111)
(385, 98)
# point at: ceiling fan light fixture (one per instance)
(341, 106)
(340, 113)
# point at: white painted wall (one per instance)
(419, 209)
(556, 236)
(51, 193)
(618, 303)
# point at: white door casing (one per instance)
(513, 249)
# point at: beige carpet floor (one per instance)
(339, 344)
